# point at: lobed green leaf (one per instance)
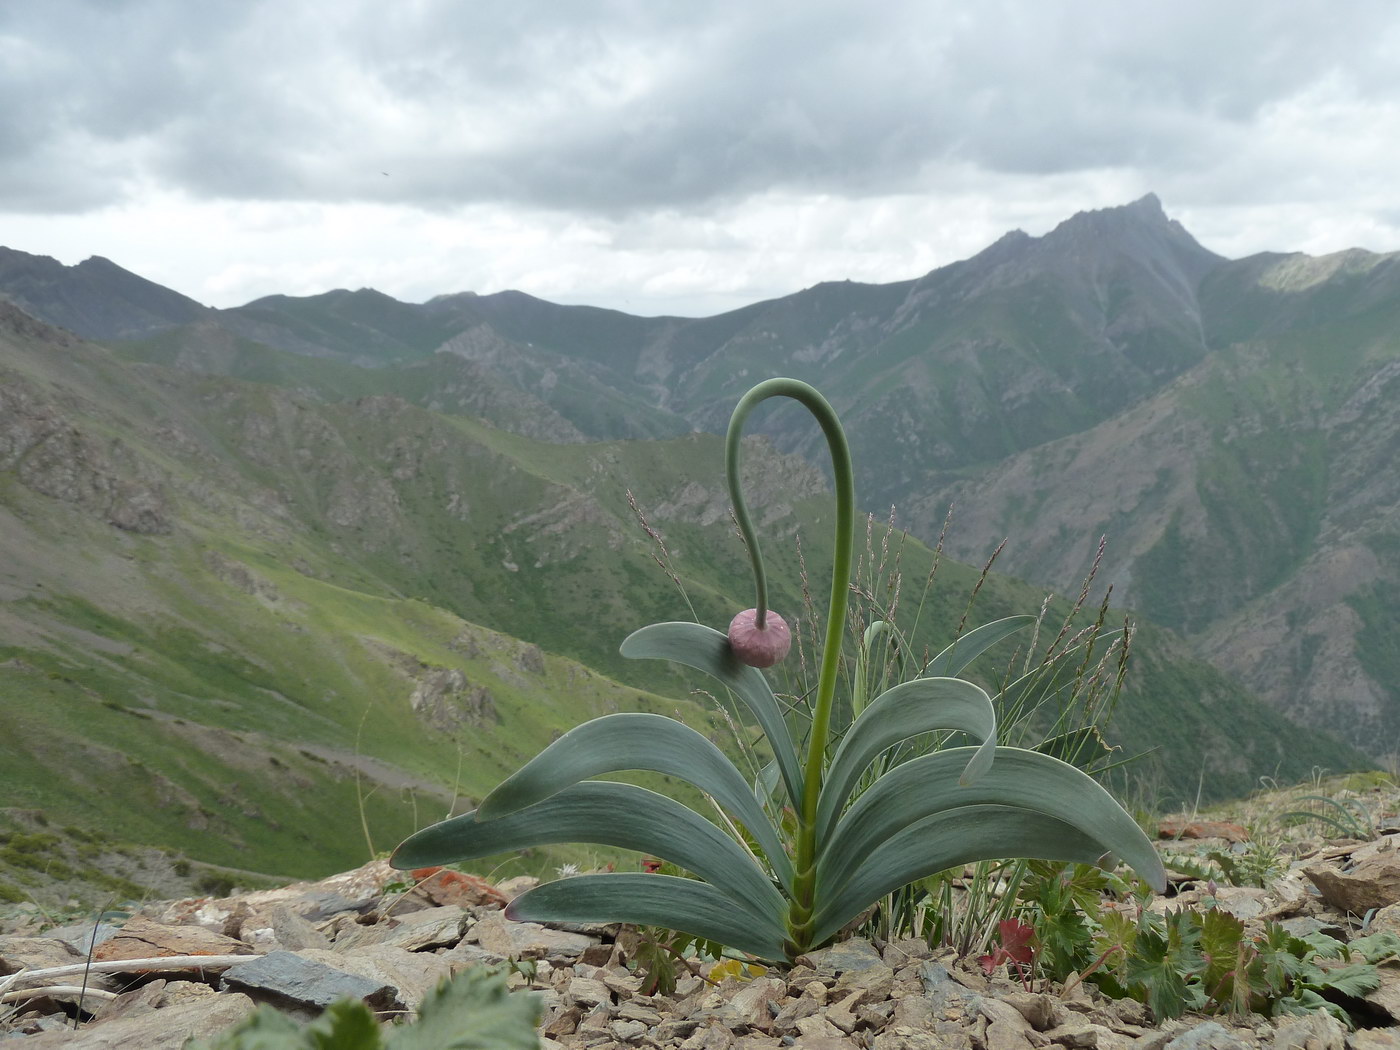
(473, 1011)
(1357, 980)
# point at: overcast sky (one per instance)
(674, 157)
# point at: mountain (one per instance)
(96, 298)
(1226, 423)
(275, 630)
(1254, 502)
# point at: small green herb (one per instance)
(474, 1011)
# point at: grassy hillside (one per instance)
(260, 627)
(1228, 424)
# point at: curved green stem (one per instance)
(844, 478)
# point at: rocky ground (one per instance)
(192, 967)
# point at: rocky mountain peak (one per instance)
(1140, 228)
(96, 298)
(1148, 203)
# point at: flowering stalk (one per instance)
(825, 415)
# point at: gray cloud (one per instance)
(615, 107)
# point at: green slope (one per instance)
(219, 600)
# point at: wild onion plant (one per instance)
(776, 889)
(1054, 695)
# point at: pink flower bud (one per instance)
(759, 647)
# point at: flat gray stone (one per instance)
(866, 983)
(1207, 1036)
(286, 978)
(294, 931)
(415, 932)
(1319, 1030)
(942, 993)
(1387, 996)
(588, 992)
(1373, 1039)
(627, 1031)
(35, 953)
(528, 940)
(905, 1037)
(412, 975)
(465, 955)
(855, 954)
(80, 937)
(748, 1006)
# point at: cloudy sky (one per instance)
(674, 157)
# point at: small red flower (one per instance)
(755, 646)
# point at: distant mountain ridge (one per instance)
(1227, 423)
(96, 298)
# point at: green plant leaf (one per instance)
(1282, 957)
(766, 782)
(954, 837)
(347, 1024)
(1327, 947)
(706, 649)
(1377, 947)
(473, 1011)
(653, 900)
(638, 741)
(1357, 980)
(352, 1026)
(1226, 977)
(265, 1029)
(1163, 959)
(1081, 747)
(1024, 780)
(1305, 1001)
(1114, 940)
(970, 646)
(1064, 935)
(1352, 819)
(653, 960)
(607, 814)
(919, 706)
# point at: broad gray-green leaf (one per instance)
(766, 782)
(620, 742)
(1024, 780)
(959, 836)
(706, 649)
(970, 646)
(609, 815)
(653, 900)
(922, 705)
